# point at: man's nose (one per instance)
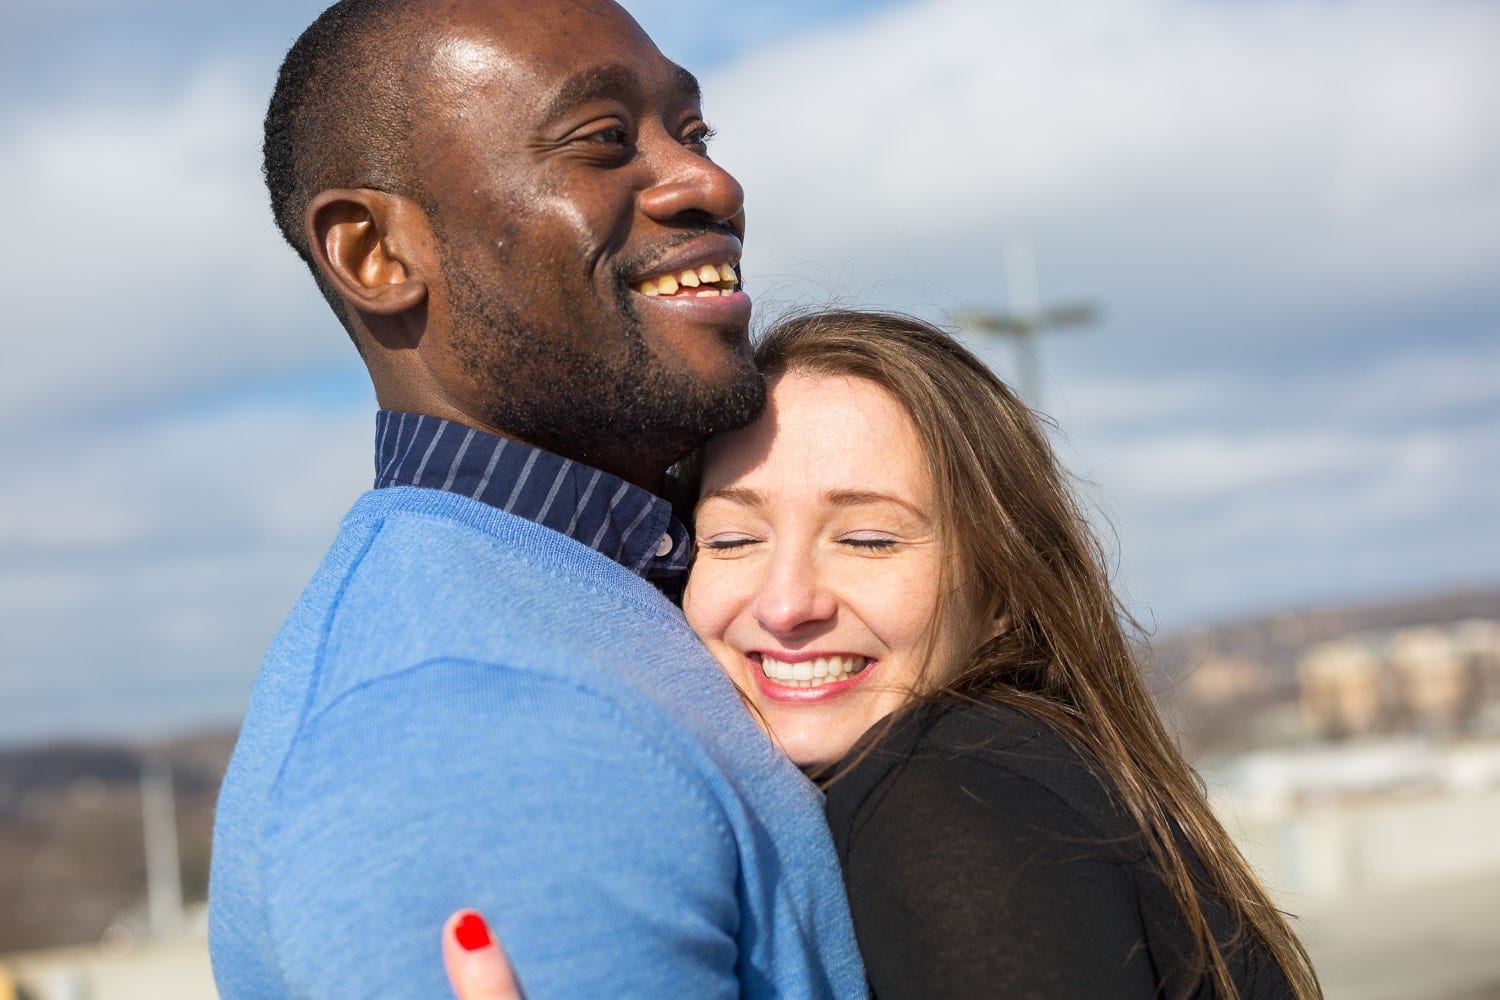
(793, 598)
(691, 187)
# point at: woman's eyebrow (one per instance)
(742, 495)
(863, 498)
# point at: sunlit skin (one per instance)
(568, 143)
(563, 161)
(817, 536)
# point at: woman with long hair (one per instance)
(893, 569)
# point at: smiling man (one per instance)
(484, 697)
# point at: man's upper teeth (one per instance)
(709, 279)
(812, 673)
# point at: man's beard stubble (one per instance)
(609, 410)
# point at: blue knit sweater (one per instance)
(466, 709)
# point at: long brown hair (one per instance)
(1066, 653)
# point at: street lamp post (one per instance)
(163, 862)
(1026, 317)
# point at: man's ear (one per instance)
(374, 248)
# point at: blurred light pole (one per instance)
(1026, 317)
(163, 867)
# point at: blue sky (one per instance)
(1288, 210)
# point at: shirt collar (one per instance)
(630, 525)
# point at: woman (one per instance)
(892, 569)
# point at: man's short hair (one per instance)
(340, 116)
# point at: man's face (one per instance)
(589, 246)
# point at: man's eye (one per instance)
(699, 137)
(615, 135)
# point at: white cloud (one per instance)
(1171, 149)
(1412, 387)
(226, 476)
(141, 257)
(1180, 158)
(143, 570)
(1218, 520)
(1195, 464)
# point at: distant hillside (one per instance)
(1277, 640)
(72, 856)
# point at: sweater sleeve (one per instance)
(603, 864)
(966, 880)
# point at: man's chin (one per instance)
(742, 403)
(710, 385)
(729, 395)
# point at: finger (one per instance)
(478, 968)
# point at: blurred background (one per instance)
(1245, 253)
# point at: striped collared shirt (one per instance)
(633, 527)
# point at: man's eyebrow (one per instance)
(590, 85)
(686, 85)
(613, 81)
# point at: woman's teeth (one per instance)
(812, 673)
(710, 280)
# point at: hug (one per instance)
(860, 714)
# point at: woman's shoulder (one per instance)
(981, 857)
(1025, 771)
(980, 814)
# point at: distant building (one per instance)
(1343, 688)
(1437, 686)
(1432, 679)
(1225, 680)
(1478, 641)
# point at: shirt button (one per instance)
(664, 547)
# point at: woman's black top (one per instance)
(985, 858)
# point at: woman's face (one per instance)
(819, 562)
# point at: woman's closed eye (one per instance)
(727, 542)
(870, 541)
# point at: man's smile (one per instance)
(703, 281)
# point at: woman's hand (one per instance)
(478, 968)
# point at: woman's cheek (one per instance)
(713, 596)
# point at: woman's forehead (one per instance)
(821, 432)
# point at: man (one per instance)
(481, 698)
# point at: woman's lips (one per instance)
(808, 677)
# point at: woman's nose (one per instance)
(793, 597)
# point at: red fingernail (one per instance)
(472, 932)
